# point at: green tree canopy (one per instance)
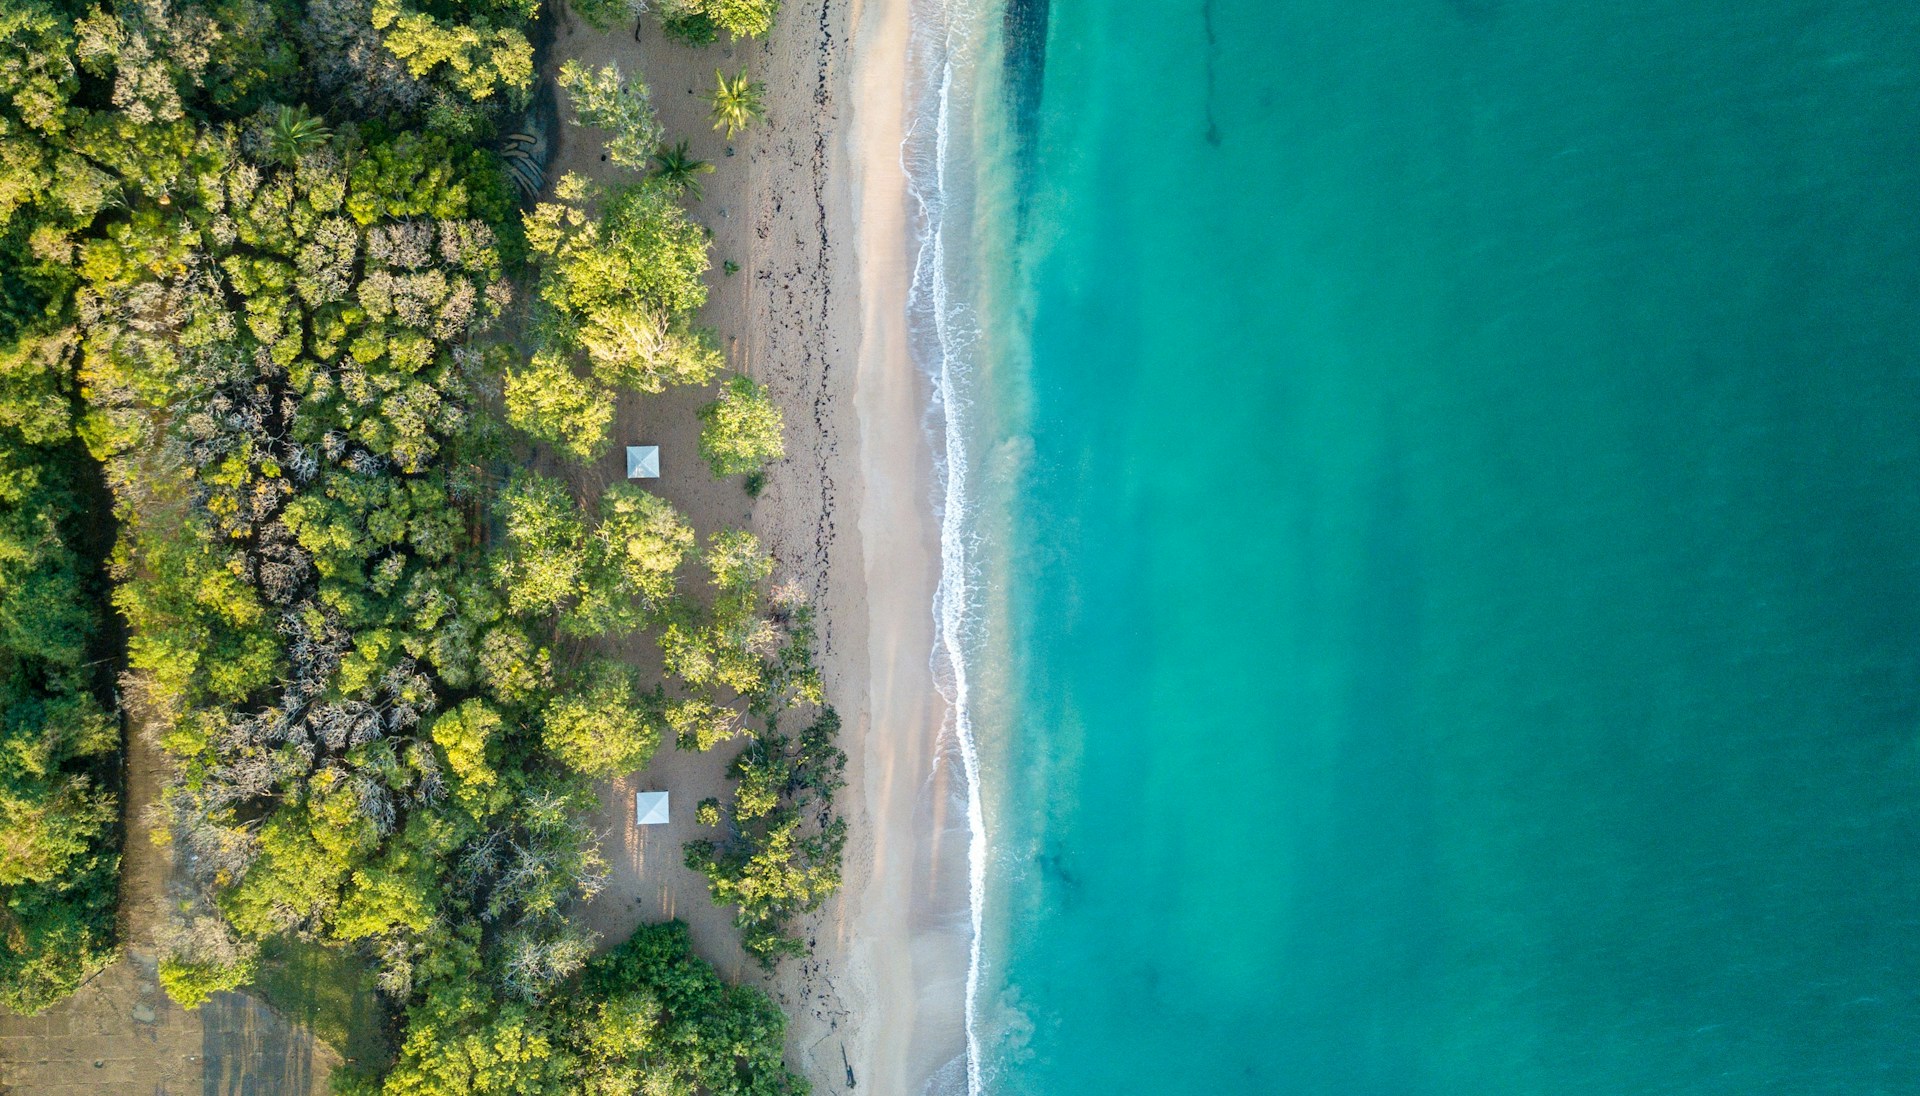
(479, 59)
(545, 563)
(552, 403)
(611, 578)
(776, 863)
(740, 18)
(637, 550)
(622, 288)
(740, 432)
(737, 102)
(605, 99)
(597, 724)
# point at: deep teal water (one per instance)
(1459, 626)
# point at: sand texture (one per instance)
(811, 205)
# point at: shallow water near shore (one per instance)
(1441, 546)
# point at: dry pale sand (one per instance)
(811, 205)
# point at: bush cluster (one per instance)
(59, 739)
(615, 302)
(782, 854)
(741, 432)
(694, 22)
(648, 1016)
(257, 271)
(59, 732)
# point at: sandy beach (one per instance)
(811, 206)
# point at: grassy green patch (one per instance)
(329, 990)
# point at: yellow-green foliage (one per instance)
(399, 891)
(726, 646)
(605, 99)
(612, 577)
(596, 724)
(511, 667)
(294, 576)
(775, 865)
(190, 984)
(480, 59)
(197, 628)
(780, 856)
(58, 809)
(469, 738)
(737, 102)
(740, 433)
(618, 293)
(553, 404)
(649, 1016)
(741, 18)
(271, 324)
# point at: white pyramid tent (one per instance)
(650, 808)
(643, 462)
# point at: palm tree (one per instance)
(736, 102)
(675, 166)
(294, 132)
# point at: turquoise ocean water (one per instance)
(1441, 545)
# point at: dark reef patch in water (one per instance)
(1025, 25)
(1476, 11)
(1213, 57)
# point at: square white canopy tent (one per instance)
(643, 462)
(650, 808)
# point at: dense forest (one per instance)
(285, 295)
(59, 734)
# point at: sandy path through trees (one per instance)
(120, 1035)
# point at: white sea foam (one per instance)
(943, 334)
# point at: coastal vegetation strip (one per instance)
(59, 732)
(267, 265)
